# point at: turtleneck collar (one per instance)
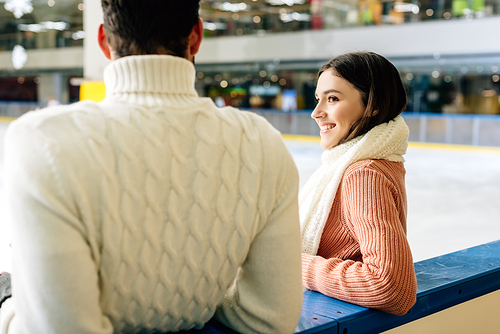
(149, 79)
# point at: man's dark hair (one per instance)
(379, 84)
(135, 27)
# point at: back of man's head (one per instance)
(135, 27)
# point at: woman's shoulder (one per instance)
(387, 168)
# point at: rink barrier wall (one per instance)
(457, 129)
(474, 130)
(426, 146)
(444, 283)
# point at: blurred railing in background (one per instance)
(475, 130)
(16, 109)
(60, 24)
(222, 18)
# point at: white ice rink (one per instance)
(453, 197)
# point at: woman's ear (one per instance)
(375, 112)
(103, 42)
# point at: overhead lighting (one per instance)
(43, 26)
(231, 7)
(406, 8)
(212, 26)
(18, 7)
(295, 16)
(19, 57)
(80, 34)
(285, 2)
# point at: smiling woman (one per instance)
(353, 208)
(339, 106)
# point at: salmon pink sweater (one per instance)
(364, 257)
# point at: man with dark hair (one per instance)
(154, 210)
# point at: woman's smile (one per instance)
(325, 127)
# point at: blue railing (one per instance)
(443, 282)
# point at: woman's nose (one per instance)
(317, 113)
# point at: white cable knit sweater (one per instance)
(134, 214)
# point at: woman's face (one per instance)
(339, 106)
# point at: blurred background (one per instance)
(263, 56)
(450, 79)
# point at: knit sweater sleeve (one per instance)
(385, 277)
(55, 280)
(266, 296)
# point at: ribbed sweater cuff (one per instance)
(307, 271)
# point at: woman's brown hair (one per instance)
(379, 84)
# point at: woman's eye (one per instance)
(332, 99)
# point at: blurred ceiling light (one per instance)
(479, 69)
(447, 15)
(409, 76)
(81, 6)
(464, 69)
(212, 26)
(19, 57)
(494, 69)
(223, 83)
(285, 2)
(256, 19)
(406, 7)
(235, 17)
(230, 7)
(295, 16)
(43, 26)
(18, 7)
(80, 34)
(429, 12)
(447, 79)
(495, 78)
(51, 3)
(435, 74)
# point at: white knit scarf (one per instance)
(387, 141)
